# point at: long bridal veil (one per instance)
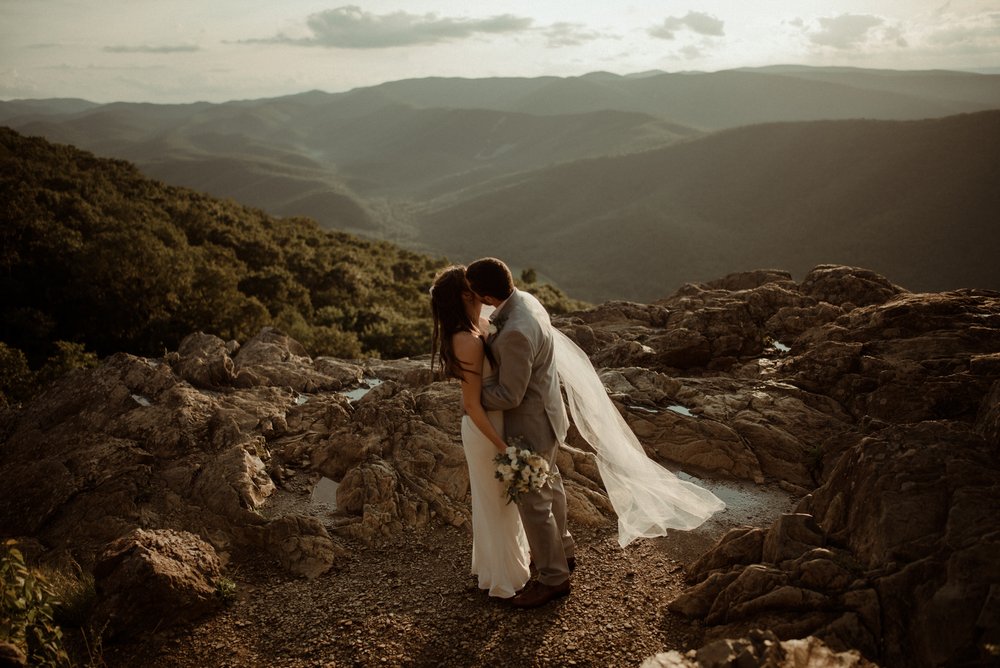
(648, 498)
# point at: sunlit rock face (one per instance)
(155, 578)
(761, 649)
(878, 407)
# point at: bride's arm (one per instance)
(469, 352)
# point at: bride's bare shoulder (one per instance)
(466, 341)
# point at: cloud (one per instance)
(699, 22)
(895, 34)
(569, 34)
(692, 52)
(981, 30)
(846, 31)
(181, 48)
(350, 27)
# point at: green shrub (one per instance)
(26, 614)
(67, 357)
(225, 589)
(75, 597)
(94, 252)
(16, 379)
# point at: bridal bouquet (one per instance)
(521, 470)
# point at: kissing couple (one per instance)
(510, 369)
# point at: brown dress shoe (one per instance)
(537, 594)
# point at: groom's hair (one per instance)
(490, 277)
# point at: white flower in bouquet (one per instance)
(521, 470)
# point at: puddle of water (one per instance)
(644, 409)
(358, 392)
(683, 410)
(301, 399)
(141, 400)
(325, 493)
(746, 502)
(780, 347)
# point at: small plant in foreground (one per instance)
(26, 617)
(225, 589)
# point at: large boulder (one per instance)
(182, 444)
(916, 357)
(154, 579)
(301, 544)
(889, 556)
(848, 286)
(204, 361)
(275, 359)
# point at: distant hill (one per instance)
(363, 160)
(916, 200)
(234, 150)
(427, 153)
(560, 152)
(950, 87)
(13, 109)
(715, 100)
(327, 157)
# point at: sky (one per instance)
(215, 50)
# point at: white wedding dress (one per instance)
(499, 546)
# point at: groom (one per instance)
(526, 389)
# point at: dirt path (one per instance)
(410, 602)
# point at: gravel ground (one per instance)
(411, 602)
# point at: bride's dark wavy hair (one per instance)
(450, 317)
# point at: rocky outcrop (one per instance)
(878, 407)
(760, 649)
(135, 443)
(300, 544)
(154, 579)
(884, 557)
(888, 555)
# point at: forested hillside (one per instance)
(94, 253)
(93, 250)
(97, 259)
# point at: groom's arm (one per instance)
(507, 391)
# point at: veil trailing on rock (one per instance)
(648, 498)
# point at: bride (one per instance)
(647, 498)
(499, 545)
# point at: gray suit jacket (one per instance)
(526, 388)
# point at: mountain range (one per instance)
(916, 199)
(656, 178)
